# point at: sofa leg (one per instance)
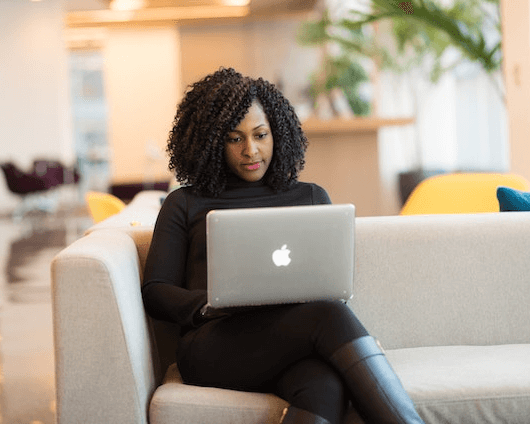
(377, 393)
(293, 415)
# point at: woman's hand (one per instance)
(207, 313)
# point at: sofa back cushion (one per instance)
(165, 334)
(444, 279)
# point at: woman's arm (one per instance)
(164, 291)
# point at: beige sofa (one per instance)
(448, 296)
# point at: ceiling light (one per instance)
(127, 4)
(236, 2)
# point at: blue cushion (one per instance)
(513, 200)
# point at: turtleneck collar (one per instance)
(233, 182)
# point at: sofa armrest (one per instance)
(105, 368)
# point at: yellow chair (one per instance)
(460, 193)
(103, 205)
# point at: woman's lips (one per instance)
(253, 166)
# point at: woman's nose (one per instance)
(249, 148)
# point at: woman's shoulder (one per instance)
(177, 199)
(319, 195)
(187, 202)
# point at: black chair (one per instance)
(34, 187)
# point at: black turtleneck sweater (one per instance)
(175, 276)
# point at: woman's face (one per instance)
(249, 148)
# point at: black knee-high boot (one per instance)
(377, 393)
(293, 415)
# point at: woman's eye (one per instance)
(261, 135)
(234, 139)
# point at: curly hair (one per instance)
(211, 109)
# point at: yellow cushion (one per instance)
(103, 205)
(460, 193)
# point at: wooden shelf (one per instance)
(314, 126)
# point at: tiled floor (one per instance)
(26, 333)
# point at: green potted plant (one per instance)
(344, 74)
(417, 35)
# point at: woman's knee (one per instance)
(338, 324)
(333, 309)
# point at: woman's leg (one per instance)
(315, 391)
(250, 351)
(377, 393)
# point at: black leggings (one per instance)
(280, 349)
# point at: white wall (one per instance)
(482, 126)
(142, 79)
(34, 112)
(431, 143)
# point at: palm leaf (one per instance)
(421, 26)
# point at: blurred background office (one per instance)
(88, 92)
(98, 90)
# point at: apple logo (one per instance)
(280, 257)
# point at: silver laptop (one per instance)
(263, 256)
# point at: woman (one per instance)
(237, 143)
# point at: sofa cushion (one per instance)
(513, 200)
(484, 384)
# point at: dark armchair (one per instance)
(34, 186)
